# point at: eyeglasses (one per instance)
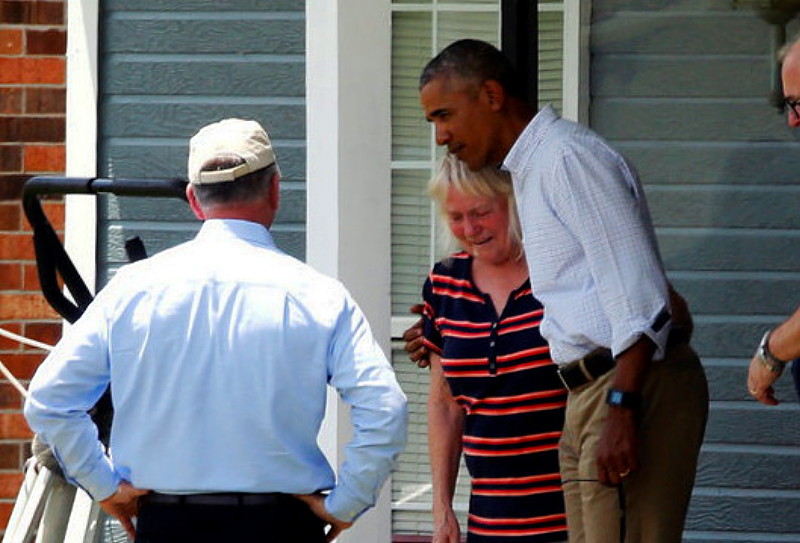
(794, 105)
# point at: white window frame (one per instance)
(575, 84)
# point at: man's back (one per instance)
(218, 333)
(224, 332)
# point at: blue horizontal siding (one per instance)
(683, 90)
(168, 68)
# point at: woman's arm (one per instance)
(445, 427)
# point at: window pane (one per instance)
(416, 240)
(411, 49)
(551, 58)
(411, 480)
(411, 237)
(455, 26)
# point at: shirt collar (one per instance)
(251, 232)
(529, 139)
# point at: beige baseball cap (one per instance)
(238, 137)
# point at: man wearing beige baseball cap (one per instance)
(219, 352)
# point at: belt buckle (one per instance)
(569, 367)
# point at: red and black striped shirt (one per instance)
(499, 371)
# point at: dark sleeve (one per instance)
(430, 330)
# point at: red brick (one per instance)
(10, 276)
(32, 70)
(16, 247)
(22, 366)
(45, 332)
(9, 484)
(10, 216)
(10, 100)
(32, 129)
(45, 100)
(30, 278)
(45, 42)
(6, 344)
(45, 158)
(36, 13)
(11, 186)
(11, 456)
(10, 41)
(10, 158)
(5, 513)
(13, 426)
(25, 306)
(10, 398)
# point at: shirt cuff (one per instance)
(344, 508)
(102, 483)
(658, 335)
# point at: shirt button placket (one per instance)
(493, 350)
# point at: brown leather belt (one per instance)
(601, 361)
(586, 369)
(231, 499)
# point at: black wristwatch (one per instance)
(621, 398)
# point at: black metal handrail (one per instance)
(52, 260)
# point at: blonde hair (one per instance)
(489, 181)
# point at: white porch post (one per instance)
(348, 121)
(81, 136)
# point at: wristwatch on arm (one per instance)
(767, 359)
(622, 398)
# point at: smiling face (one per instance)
(480, 224)
(463, 114)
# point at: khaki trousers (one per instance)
(652, 503)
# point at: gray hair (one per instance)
(243, 189)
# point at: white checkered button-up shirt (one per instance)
(589, 240)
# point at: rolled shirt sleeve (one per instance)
(365, 381)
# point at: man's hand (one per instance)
(124, 505)
(759, 382)
(415, 346)
(618, 449)
(316, 502)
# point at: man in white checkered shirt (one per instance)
(638, 398)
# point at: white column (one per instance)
(348, 119)
(81, 137)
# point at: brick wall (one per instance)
(32, 95)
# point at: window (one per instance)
(419, 30)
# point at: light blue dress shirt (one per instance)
(219, 353)
(589, 241)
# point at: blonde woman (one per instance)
(494, 393)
